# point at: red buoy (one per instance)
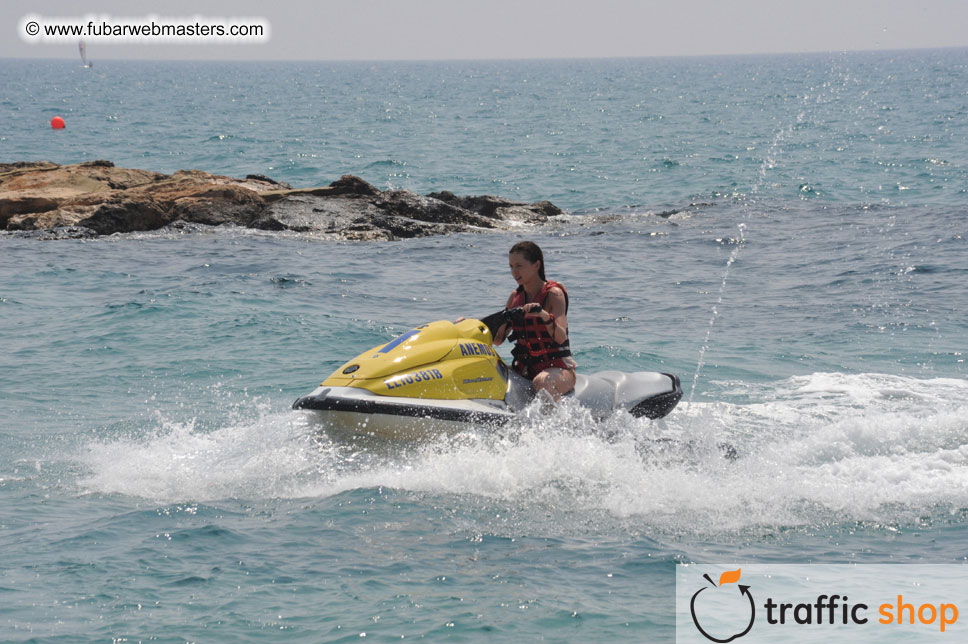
(57, 123)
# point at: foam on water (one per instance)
(264, 458)
(812, 449)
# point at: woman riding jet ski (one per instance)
(444, 375)
(542, 351)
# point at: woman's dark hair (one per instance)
(531, 253)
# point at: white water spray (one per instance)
(715, 315)
(818, 448)
(768, 163)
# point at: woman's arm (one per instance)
(557, 309)
(554, 310)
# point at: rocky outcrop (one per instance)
(500, 209)
(97, 198)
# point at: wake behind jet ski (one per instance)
(443, 376)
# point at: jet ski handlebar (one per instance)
(495, 321)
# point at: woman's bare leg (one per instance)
(555, 381)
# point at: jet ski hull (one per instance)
(445, 376)
(358, 411)
(350, 410)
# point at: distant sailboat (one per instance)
(81, 47)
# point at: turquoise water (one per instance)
(809, 291)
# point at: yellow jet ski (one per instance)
(446, 375)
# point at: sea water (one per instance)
(786, 233)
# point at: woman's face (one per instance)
(523, 271)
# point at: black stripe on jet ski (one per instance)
(660, 405)
(389, 409)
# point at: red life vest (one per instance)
(534, 349)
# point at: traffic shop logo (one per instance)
(737, 596)
(726, 611)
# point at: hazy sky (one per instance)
(489, 29)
